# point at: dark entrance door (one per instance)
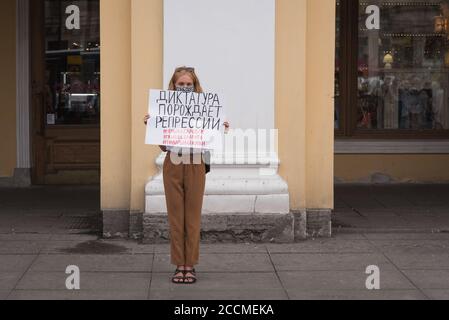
(65, 75)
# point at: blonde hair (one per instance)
(181, 71)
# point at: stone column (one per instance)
(115, 17)
(232, 46)
(22, 174)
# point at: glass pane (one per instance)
(72, 40)
(403, 64)
(337, 114)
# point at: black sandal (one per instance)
(190, 279)
(178, 279)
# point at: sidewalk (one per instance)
(37, 244)
(413, 266)
(391, 208)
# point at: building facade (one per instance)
(357, 91)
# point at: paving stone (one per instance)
(340, 204)
(437, 294)
(24, 237)
(94, 263)
(363, 201)
(407, 236)
(348, 236)
(427, 200)
(358, 295)
(436, 223)
(133, 247)
(212, 286)
(4, 294)
(90, 281)
(429, 279)
(299, 281)
(413, 211)
(78, 295)
(73, 237)
(237, 295)
(4, 230)
(233, 248)
(420, 261)
(21, 247)
(8, 280)
(221, 263)
(220, 248)
(17, 263)
(412, 246)
(324, 246)
(436, 211)
(418, 207)
(33, 213)
(393, 221)
(330, 262)
(400, 221)
(378, 212)
(392, 200)
(352, 222)
(87, 247)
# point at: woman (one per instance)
(184, 185)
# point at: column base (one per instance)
(245, 199)
(21, 179)
(243, 203)
(319, 223)
(232, 228)
(243, 228)
(116, 224)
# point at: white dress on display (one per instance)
(391, 111)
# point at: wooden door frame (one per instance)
(37, 77)
(54, 147)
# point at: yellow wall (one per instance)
(291, 25)
(400, 168)
(305, 32)
(8, 88)
(115, 17)
(147, 72)
(305, 46)
(131, 63)
(132, 59)
(321, 17)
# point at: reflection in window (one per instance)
(72, 62)
(403, 68)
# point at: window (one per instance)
(392, 69)
(72, 54)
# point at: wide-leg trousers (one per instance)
(184, 185)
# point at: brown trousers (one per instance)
(184, 185)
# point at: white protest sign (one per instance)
(185, 120)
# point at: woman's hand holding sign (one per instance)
(226, 125)
(145, 120)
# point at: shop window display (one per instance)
(402, 72)
(399, 80)
(72, 41)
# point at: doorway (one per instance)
(65, 92)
